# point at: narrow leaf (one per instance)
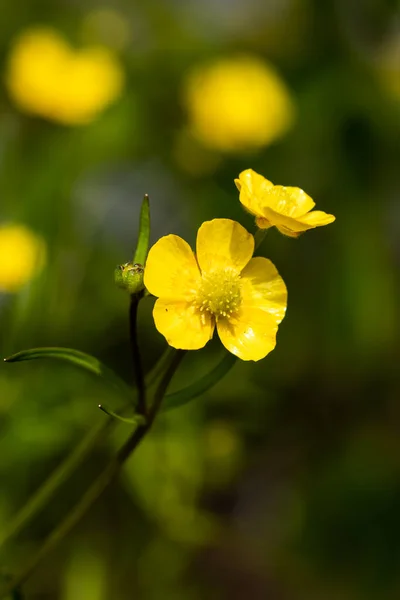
(201, 386)
(77, 358)
(136, 420)
(142, 247)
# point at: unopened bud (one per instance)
(129, 277)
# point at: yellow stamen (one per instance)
(219, 293)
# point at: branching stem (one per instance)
(100, 484)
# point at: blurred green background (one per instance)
(283, 482)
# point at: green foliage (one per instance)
(77, 358)
(282, 481)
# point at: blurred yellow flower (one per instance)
(223, 286)
(46, 77)
(237, 104)
(288, 208)
(22, 255)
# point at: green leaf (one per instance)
(94, 366)
(135, 420)
(201, 386)
(142, 247)
(77, 358)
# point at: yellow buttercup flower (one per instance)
(46, 77)
(237, 104)
(287, 208)
(222, 286)
(22, 255)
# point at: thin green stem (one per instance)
(154, 374)
(200, 386)
(44, 494)
(88, 498)
(259, 237)
(51, 485)
(136, 420)
(137, 359)
(99, 485)
(164, 383)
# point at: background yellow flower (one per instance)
(287, 208)
(237, 104)
(22, 255)
(47, 77)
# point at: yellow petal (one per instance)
(294, 226)
(316, 218)
(282, 222)
(288, 232)
(222, 243)
(251, 335)
(258, 194)
(262, 287)
(171, 269)
(289, 201)
(263, 223)
(253, 188)
(182, 325)
(288, 208)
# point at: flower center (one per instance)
(219, 293)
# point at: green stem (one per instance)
(164, 383)
(259, 237)
(160, 366)
(51, 485)
(201, 386)
(137, 359)
(135, 420)
(184, 395)
(44, 494)
(99, 485)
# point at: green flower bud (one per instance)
(129, 277)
